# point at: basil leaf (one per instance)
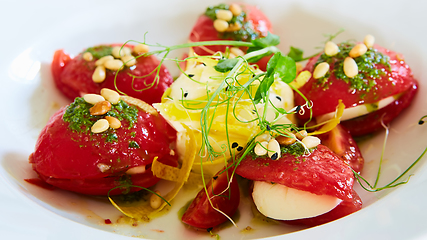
(296, 54)
(225, 65)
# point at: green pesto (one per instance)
(112, 137)
(133, 144)
(246, 33)
(100, 51)
(296, 149)
(123, 111)
(368, 73)
(133, 134)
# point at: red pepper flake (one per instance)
(107, 221)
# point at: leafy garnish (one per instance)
(296, 54)
(225, 65)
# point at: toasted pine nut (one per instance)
(301, 79)
(141, 49)
(155, 201)
(119, 52)
(100, 108)
(99, 75)
(320, 70)
(358, 50)
(350, 67)
(237, 51)
(110, 95)
(301, 134)
(274, 149)
(101, 61)
(235, 9)
(261, 148)
(265, 137)
(311, 141)
(225, 15)
(87, 56)
(369, 41)
(113, 65)
(331, 48)
(100, 126)
(114, 122)
(220, 25)
(93, 98)
(234, 27)
(283, 140)
(136, 170)
(103, 167)
(129, 60)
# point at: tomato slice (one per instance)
(204, 30)
(392, 80)
(94, 163)
(73, 77)
(223, 191)
(322, 172)
(340, 141)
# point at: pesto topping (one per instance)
(367, 65)
(245, 33)
(80, 120)
(100, 51)
(133, 144)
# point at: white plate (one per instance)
(33, 30)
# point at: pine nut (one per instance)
(369, 41)
(93, 98)
(141, 49)
(135, 170)
(284, 140)
(235, 9)
(261, 148)
(220, 25)
(237, 51)
(350, 67)
(100, 126)
(101, 61)
(87, 56)
(129, 60)
(311, 141)
(110, 95)
(358, 50)
(301, 134)
(113, 65)
(274, 149)
(155, 200)
(331, 49)
(114, 122)
(119, 52)
(234, 27)
(320, 70)
(265, 137)
(225, 15)
(301, 79)
(99, 75)
(103, 167)
(100, 108)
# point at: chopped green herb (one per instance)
(100, 51)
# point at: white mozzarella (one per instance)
(283, 203)
(359, 110)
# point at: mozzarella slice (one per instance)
(360, 110)
(283, 203)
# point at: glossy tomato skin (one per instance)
(73, 77)
(73, 160)
(321, 173)
(340, 141)
(201, 214)
(397, 79)
(204, 30)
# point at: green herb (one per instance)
(78, 116)
(100, 51)
(112, 137)
(225, 65)
(133, 144)
(296, 149)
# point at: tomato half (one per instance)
(223, 192)
(73, 77)
(394, 77)
(91, 163)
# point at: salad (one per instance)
(240, 143)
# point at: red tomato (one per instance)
(322, 172)
(73, 77)
(224, 196)
(90, 163)
(340, 141)
(397, 80)
(204, 30)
